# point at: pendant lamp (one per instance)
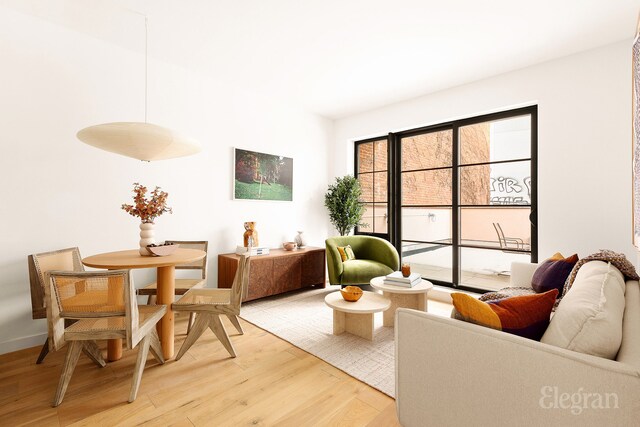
(143, 141)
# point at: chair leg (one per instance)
(156, 348)
(235, 322)
(70, 361)
(91, 349)
(216, 326)
(43, 352)
(151, 300)
(143, 352)
(192, 318)
(199, 326)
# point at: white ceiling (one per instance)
(341, 57)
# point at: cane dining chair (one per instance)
(183, 284)
(103, 305)
(209, 304)
(39, 264)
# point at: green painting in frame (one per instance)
(261, 176)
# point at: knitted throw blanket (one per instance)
(617, 260)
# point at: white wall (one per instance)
(584, 137)
(57, 192)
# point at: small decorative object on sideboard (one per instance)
(250, 235)
(163, 249)
(252, 251)
(147, 211)
(351, 293)
(289, 246)
(300, 240)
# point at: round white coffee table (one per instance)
(356, 317)
(415, 297)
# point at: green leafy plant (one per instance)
(343, 201)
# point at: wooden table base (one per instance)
(165, 268)
(114, 350)
(414, 301)
(166, 291)
(360, 324)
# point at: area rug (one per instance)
(303, 319)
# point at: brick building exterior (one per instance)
(427, 151)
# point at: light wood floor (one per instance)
(271, 382)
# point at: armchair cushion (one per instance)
(363, 270)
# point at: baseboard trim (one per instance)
(22, 343)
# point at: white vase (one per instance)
(300, 240)
(147, 237)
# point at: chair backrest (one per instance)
(240, 285)
(63, 259)
(500, 233)
(106, 296)
(196, 265)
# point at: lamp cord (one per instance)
(146, 59)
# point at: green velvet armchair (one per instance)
(374, 257)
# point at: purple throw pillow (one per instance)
(552, 273)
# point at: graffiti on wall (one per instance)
(506, 190)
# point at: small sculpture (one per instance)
(300, 240)
(250, 235)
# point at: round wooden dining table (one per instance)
(165, 266)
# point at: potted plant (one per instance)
(343, 201)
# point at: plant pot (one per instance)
(147, 237)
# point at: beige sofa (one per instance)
(453, 373)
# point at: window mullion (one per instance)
(455, 201)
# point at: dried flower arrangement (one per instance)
(147, 210)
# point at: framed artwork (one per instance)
(261, 176)
(636, 139)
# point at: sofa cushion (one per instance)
(629, 352)
(362, 270)
(526, 316)
(346, 253)
(552, 273)
(589, 317)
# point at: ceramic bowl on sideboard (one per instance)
(289, 246)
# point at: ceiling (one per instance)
(341, 57)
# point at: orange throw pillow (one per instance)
(526, 316)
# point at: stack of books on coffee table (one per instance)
(397, 279)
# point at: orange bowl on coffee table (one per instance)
(351, 293)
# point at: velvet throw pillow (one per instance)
(526, 316)
(552, 273)
(346, 253)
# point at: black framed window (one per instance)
(461, 196)
(372, 170)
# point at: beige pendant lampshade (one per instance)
(143, 141)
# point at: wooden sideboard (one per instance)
(280, 271)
